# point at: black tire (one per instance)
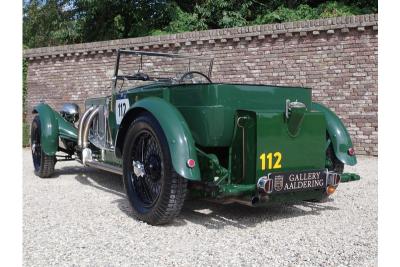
(43, 164)
(336, 166)
(158, 194)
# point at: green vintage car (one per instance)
(171, 132)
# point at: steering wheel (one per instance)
(191, 74)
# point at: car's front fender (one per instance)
(53, 126)
(180, 141)
(48, 127)
(340, 138)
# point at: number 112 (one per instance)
(273, 160)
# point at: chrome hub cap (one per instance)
(138, 168)
(33, 148)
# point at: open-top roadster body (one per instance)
(178, 133)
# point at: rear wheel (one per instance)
(43, 164)
(155, 191)
(335, 164)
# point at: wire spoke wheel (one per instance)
(147, 153)
(155, 191)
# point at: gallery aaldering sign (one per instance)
(298, 181)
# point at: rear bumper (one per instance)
(256, 200)
(257, 194)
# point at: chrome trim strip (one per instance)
(104, 167)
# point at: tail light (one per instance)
(191, 163)
(351, 151)
(330, 190)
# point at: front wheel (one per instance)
(155, 191)
(42, 163)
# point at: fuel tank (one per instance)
(210, 109)
(264, 143)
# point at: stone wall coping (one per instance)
(246, 33)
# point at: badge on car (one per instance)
(278, 183)
(298, 181)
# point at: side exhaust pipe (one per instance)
(251, 202)
(85, 134)
(84, 138)
(83, 142)
(81, 123)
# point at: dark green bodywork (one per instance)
(53, 127)
(339, 136)
(179, 138)
(225, 128)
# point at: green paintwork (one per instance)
(268, 132)
(209, 114)
(209, 109)
(233, 190)
(295, 120)
(53, 126)
(66, 129)
(49, 128)
(110, 158)
(248, 125)
(338, 134)
(211, 169)
(306, 151)
(179, 138)
(225, 128)
(349, 177)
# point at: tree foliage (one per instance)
(51, 22)
(109, 19)
(57, 22)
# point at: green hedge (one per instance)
(25, 134)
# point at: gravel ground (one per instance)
(81, 217)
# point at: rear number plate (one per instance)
(298, 181)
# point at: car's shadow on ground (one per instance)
(197, 211)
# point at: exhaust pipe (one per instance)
(85, 134)
(81, 123)
(83, 137)
(83, 142)
(251, 202)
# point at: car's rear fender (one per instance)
(52, 127)
(180, 141)
(340, 138)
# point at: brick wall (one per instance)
(337, 58)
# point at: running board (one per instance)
(104, 166)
